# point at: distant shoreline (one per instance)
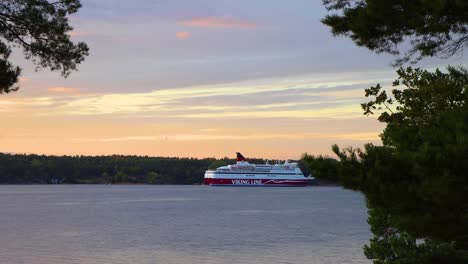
(40, 169)
(318, 183)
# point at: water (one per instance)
(180, 224)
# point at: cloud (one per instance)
(79, 34)
(95, 35)
(65, 90)
(23, 79)
(357, 136)
(182, 35)
(340, 112)
(300, 97)
(218, 22)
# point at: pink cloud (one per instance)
(183, 35)
(23, 79)
(66, 90)
(74, 34)
(218, 22)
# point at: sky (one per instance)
(200, 78)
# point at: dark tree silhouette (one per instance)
(416, 183)
(430, 28)
(40, 28)
(41, 169)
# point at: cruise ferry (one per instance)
(245, 174)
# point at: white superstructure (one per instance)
(244, 173)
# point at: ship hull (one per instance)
(258, 182)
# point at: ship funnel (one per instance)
(240, 157)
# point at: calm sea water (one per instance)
(180, 224)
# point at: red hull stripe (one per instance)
(259, 182)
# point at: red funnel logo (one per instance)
(240, 157)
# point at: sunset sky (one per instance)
(200, 78)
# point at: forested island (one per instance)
(42, 169)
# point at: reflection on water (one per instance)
(180, 224)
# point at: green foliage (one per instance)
(8, 73)
(41, 28)
(120, 176)
(153, 178)
(323, 168)
(416, 183)
(40, 169)
(391, 245)
(431, 28)
(106, 177)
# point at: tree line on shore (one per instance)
(42, 169)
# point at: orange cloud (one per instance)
(66, 90)
(23, 79)
(183, 35)
(218, 22)
(79, 33)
